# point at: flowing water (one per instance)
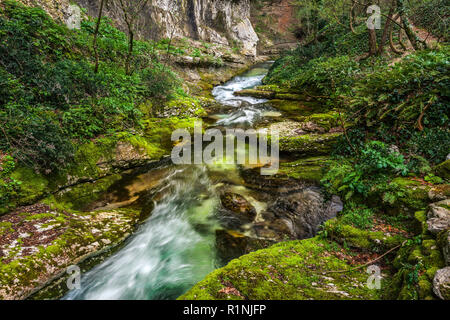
(175, 247)
(247, 110)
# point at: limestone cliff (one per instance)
(224, 22)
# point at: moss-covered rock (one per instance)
(354, 237)
(42, 242)
(294, 108)
(443, 240)
(441, 283)
(299, 270)
(310, 144)
(33, 185)
(411, 196)
(443, 170)
(264, 94)
(309, 169)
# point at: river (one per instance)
(176, 247)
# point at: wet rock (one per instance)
(438, 218)
(231, 244)
(304, 211)
(256, 93)
(441, 283)
(311, 144)
(443, 169)
(238, 205)
(444, 243)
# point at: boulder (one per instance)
(299, 215)
(237, 204)
(443, 170)
(231, 244)
(438, 218)
(441, 283)
(443, 240)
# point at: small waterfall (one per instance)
(248, 109)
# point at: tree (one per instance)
(97, 28)
(131, 10)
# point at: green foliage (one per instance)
(8, 185)
(433, 16)
(368, 173)
(50, 95)
(431, 143)
(398, 95)
(357, 215)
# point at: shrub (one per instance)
(357, 215)
(8, 185)
(368, 173)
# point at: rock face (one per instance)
(300, 214)
(218, 21)
(444, 244)
(441, 283)
(438, 218)
(224, 22)
(238, 205)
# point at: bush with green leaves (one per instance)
(368, 172)
(8, 185)
(357, 215)
(433, 15)
(412, 93)
(50, 94)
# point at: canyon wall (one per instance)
(224, 22)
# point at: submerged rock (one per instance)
(237, 204)
(231, 244)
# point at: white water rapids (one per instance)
(175, 247)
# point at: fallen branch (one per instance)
(368, 263)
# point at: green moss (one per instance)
(290, 96)
(184, 105)
(311, 144)
(33, 185)
(77, 197)
(443, 170)
(256, 93)
(425, 288)
(158, 131)
(358, 238)
(310, 169)
(288, 270)
(6, 227)
(413, 196)
(294, 108)
(86, 160)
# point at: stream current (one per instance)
(176, 247)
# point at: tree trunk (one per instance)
(372, 42)
(97, 28)
(391, 42)
(130, 50)
(407, 26)
(387, 29)
(352, 16)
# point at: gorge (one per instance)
(86, 177)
